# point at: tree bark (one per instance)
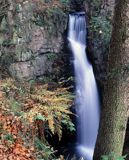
(116, 91)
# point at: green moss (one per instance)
(101, 27)
(4, 25)
(6, 59)
(65, 2)
(51, 56)
(3, 30)
(95, 4)
(51, 19)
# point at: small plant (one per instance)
(46, 152)
(112, 156)
(9, 138)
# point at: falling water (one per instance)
(87, 99)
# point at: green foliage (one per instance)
(40, 117)
(46, 152)
(6, 42)
(37, 111)
(15, 106)
(51, 56)
(9, 137)
(95, 4)
(4, 25)
(69, 125)
(65, 2)
(46, 79)
(112, 156)
(101, 27)
(6, 58)
(51, 107)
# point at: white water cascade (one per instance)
(87, 99)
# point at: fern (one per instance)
(46, 152)
(33, 102)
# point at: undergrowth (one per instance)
(28, 110)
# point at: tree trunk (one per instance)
(116, 92)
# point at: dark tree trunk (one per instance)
(116, 92)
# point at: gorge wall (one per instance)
(100, 14)
(33, 36)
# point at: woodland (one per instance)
(38, 112)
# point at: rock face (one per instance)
(37, 38)
(100, 15)
(37, 57)
(31, 69)
(32, 38)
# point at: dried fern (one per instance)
(51, 107)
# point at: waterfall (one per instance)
(87, 99)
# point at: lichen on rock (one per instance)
(37, 31)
